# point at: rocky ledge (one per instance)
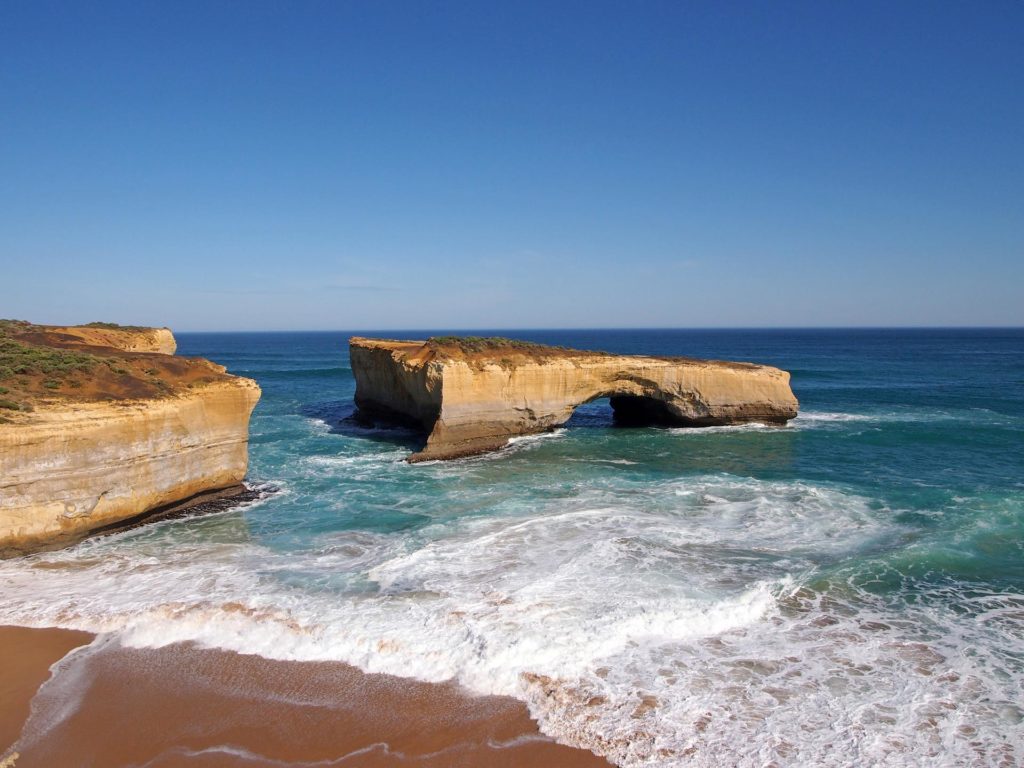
(101, 427)
(470, 395)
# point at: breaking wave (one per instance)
(705, 620)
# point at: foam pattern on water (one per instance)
(847, 590)
(693, 628)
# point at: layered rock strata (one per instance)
(95, 437)
(126, 339)
(471, 395)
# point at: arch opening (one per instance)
(640, 411)
(592, 414)
(608, 410)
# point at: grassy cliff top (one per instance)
(485, 350)
(470, 344)
(40, 365)
(115, 326)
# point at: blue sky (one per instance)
(221, 166)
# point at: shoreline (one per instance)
(182, 705)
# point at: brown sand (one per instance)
(110, 706)
(25, 658)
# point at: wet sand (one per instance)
(181, 706)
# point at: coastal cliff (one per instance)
(124, 338)
(100, 428)
(471, 395)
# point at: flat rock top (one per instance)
(42, 366)
(478, 350)
(129, 338)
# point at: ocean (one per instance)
(846, 590)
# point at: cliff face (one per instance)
(94, 438)
(396, 381)
(472, 397)
(126, 339)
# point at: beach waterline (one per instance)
(103, 704)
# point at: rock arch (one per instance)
(472, 396)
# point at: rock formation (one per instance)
(471, 395)
(100, 428)
(125, 338)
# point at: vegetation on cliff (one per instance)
(496, 350)
(115, 326)
(42, 363)
(484, 343)
(23, 364)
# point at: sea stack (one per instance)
(101, 427)
(470, 395)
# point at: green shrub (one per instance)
(20, 359)
(16, 326)
(115, 326)
(51, 384)
(10, 405)
(482, 343)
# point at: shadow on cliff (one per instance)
(343, 418)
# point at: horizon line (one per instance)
(620, 328)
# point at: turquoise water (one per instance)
(845, 590)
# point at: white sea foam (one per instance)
(754, 426)
(826, 419)
(523, 441)
(356, 459)
(624, 462)
(803, 420)
(659, 623)
(813, 417)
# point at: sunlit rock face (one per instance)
(104, 427)
(118, 337)
(471, 395)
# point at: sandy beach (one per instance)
(106, 705)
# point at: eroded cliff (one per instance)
(471, 395)
(96, 434)
(127, 338)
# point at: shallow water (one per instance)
(845, 590)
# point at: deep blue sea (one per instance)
(847, 590)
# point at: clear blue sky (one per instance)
(300, 165)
